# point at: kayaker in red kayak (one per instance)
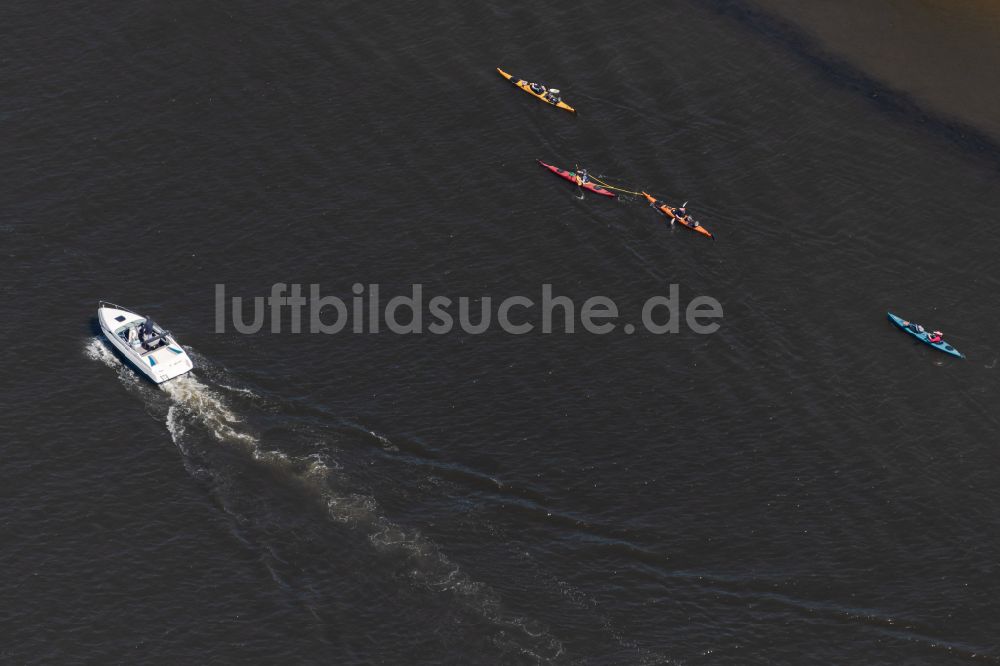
(579, 177)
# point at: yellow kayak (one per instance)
(547, 95)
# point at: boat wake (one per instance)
(202, 404)
(99, 350)
(208, 430)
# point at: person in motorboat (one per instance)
(537, 88)
(132, 336)
(934, 337)
(147, 334)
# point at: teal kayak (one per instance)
(919, 333)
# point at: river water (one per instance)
(806, 485)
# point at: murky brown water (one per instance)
(945, 53)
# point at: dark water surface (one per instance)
(804, 486)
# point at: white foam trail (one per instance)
(218, 373)
(429, 566)
(383, 440)
(208, 408)
(237, 389)
(99, 350)
(193, 402)
(174, 424)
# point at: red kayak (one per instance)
(573, 178)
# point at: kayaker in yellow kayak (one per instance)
(550, 94)
(547, 95)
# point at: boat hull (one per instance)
(160, 365)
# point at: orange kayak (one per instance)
(690, 222)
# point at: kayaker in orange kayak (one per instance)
(679, 214)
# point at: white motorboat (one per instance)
(150, 348)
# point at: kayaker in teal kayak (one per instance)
(933, 338)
